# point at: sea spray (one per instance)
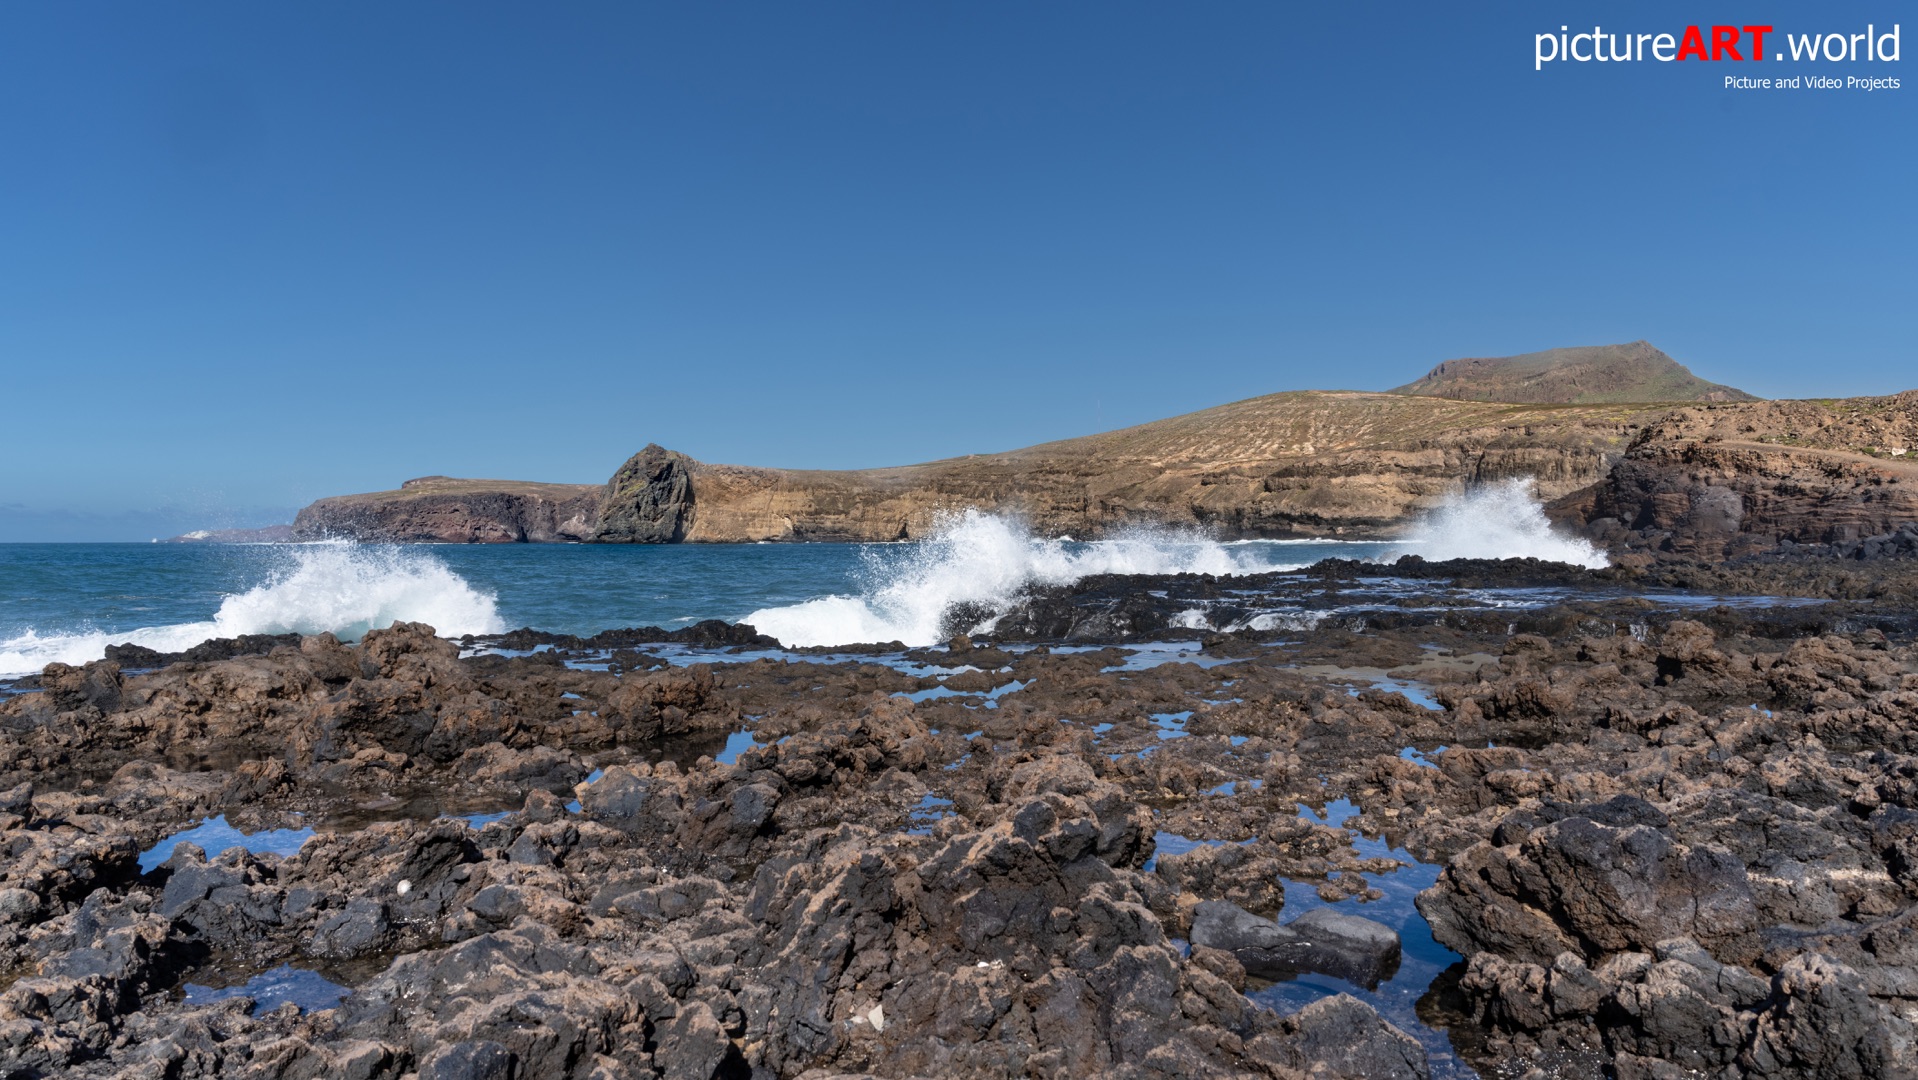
(339, 587)
(349, 590)
(985, 560)
(1504, 520)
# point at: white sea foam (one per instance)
(339, 587)
(985, 559)
(1496, 521)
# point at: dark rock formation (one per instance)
(139, 656)
(762, 917)
(1604, 881)
(1708, 482)
(1341, 1036)
(1676, 1008)
(441, 510)
(648, 501)
(1359, 950)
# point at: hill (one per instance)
(1705, 478)
(1303, 463)
(1588, 375)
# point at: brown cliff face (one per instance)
(1702, 480)
(439, 509)
(1716, 480)
(1295, 464)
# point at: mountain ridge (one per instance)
(1298, 463)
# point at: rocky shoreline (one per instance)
(1666, 833)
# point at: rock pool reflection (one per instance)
(1416, 998)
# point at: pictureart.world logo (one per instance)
(1749, 43)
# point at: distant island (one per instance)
(1628, 445)
(271, 534)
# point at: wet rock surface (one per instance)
(1665, 838)
(1349, 947)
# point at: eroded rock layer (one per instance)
(1710, 481)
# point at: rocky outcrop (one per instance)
(648, 501)
(1712, 481)
(1675, 1008)
(1582, 376)
(1601, 880)
(438, 509)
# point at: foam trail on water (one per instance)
(340, 587)
(1497, 521)
(985, 559)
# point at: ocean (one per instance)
(67, 602)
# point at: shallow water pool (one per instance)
(216, 836)
(310, 990)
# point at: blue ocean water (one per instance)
(67, 602)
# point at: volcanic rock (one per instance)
(442, 510)
(1356, 949)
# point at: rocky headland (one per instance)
(1302, 464)
(1647, 836)
(1743, 479)
(441, 509)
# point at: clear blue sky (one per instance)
(252, 254)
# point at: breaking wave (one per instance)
(340, 587)
(984, 560)
(1497, 521)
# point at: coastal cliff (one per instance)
(1716, 480)
(440, 509)
(1681, 466)
(1307, 463)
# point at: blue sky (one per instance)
(252, 254)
